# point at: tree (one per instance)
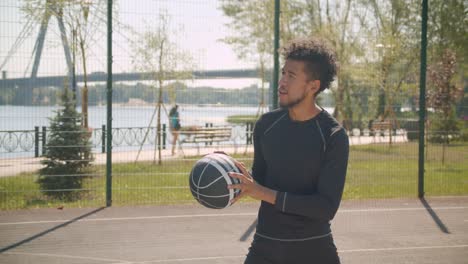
(442, 97)
(158, 56)
(68, 153)
(447, 29)
(332, 21)
(393, 28)
(76, 30)
(78, 23)
(253, 29)
(251, 23)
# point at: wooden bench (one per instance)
(381, 128)
(207, 135)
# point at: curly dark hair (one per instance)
(320, 60)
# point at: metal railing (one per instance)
(35, 141)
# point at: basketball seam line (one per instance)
(201, 174)
(209, 184)
(226, 177)
(209, 196)
(199, 180)
(223, 165)
(222, 157)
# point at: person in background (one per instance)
(174, 126)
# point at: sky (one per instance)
(197, 26)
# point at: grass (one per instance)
(374, 172)
(241, 119)
(380, 171)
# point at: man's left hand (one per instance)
(249, 186)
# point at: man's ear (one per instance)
(315, 86)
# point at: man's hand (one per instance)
(250, 187)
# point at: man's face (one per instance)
(294, 85)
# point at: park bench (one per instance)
(205, 135)
(382, 128)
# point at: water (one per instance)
(28, 117)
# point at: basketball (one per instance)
(209, 179)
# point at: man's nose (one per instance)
(282, 81)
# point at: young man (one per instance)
(300, 161)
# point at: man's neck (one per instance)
(304, 112)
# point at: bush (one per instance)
(444, 129)
(412, 129)
(463, 135)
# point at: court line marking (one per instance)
(339, 251)
(401, 209)
(115, 261)
(400, 248)
(223, 215)
(66, 256)
(131, 218)
(186, 259)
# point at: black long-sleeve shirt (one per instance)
(306, 162)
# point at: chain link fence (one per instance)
(211, 59)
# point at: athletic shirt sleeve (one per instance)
(324, 203)
(259, 166)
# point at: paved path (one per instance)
(11, 167)
(380, 231)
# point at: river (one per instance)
(28, 117)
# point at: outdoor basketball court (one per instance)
(380, 231)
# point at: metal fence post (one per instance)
(276, 55)
(164, 136)
(422, 98)
(103, 139)
(249, 133)
(36, 141)
(109, 106)
(44, 140)
(208, 125)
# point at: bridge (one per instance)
(25, 85)
(58, 81)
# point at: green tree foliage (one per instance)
(394, 30)
(447, 29)
(7, 96)
(122, 93)
(442, 98)
(333, 21)
(68, 153)
(462, 107)
(252, 23)
(377, 44)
